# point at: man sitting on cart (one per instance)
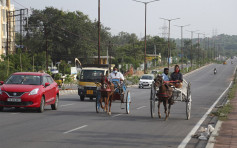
(117, 75)
(165, 75)
(177, 77)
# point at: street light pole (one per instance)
(181, 46)
(145, 68)
(169, 51)
(191, 54)
(98, 31)
(198, 49)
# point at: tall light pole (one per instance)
(204, 46)
(198, 49)
(98, 31)
(191, 54)
(169, 51)
(145, 30)
(181, 46)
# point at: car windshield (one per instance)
(23, 80)
(91, 75)
(147, 77)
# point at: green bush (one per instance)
(68, 79)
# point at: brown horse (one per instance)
(164, 95)
(107, 91)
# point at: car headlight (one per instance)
(81, 87)
(34, 91)
(0, 91)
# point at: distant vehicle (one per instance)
(154, 72)
(90, 74)
(29, 90)
(146, 80)
(215, 71)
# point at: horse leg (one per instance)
(169, 109)
(159, 109)
(101, 101)
(110, 102)
(107, 103)
(165, 105)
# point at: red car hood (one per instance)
(18, 88)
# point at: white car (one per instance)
(146, 80)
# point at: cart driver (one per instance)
(177, 77)
(116, 75)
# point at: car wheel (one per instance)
(55, 105)
(41, 108)
(91, 98)
(82, 97)
(1, 108)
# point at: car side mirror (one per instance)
(47, 84)
(1, 82)
(77, 78)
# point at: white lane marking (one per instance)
(141, 107)
(75, 129)
(66, 105)
(195, 128)
(116, 115)
(15, 113)
(235, 70)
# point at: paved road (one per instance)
(76, 124)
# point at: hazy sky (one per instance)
(129, 16)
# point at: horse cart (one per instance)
(178, 94)
(118, 94)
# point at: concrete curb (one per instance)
(211, 140)
(74, 92)
(67, 92)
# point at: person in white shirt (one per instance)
(116, 75)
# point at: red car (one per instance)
(29, 90)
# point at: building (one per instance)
(7, 27)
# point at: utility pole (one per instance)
(21, 24)
(181, 45)
(98, 31)
(198, 49)
(46, 46)
(33, 64)
(7, 47)
(191, 54)
(145, 68)
(169, 51)
(155, 54)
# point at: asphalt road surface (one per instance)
(77, 125)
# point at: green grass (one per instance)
(223, 112)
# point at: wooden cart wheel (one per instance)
(97, 102)
(128, 101)
(188, 102)
(152, 100)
